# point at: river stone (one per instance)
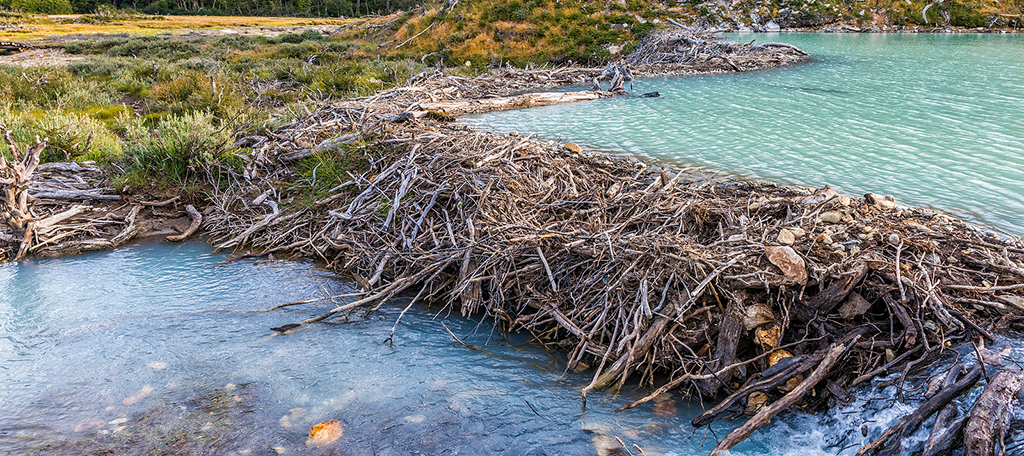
(771, 26)
(755, 402)
(1016, 303)
(786, 259)
(324, 433)
(819, 196)
(757, 315)
(573, 147)
(786, 237)
(768, 336)
(825, 238)
(882, 202)
(138, 397)
(831, 217)
(855, 305)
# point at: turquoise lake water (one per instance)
(933, 119)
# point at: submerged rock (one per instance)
(324, 433)
(138, 397)
(607, 446)
(91, 426)
(288, 420)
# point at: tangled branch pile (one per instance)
(54, 209)
(750, 289)
(700, 51)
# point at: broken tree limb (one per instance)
(990, 418)
(836, 293)
(166, 202)
(197, 220)
(770, 380)
(781, 45)
(527, 100)
(765, 415)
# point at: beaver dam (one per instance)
(750, 296)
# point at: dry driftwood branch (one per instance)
(197, 220)
(14, 181)
(987, 425)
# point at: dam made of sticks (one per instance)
(751, 296)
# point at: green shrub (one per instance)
(100, 67)
(643, 29)
(181, 150)
(72, 136)
(43, 6)
(154, 48)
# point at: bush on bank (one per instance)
(161, 111)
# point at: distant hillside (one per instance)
(492, 32)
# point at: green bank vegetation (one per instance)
(163, 111)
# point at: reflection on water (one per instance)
(933, 119)
(153, 349)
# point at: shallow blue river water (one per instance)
(934, 119)
(152, 344)
(154, 349)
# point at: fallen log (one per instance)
(987, 425)
(528, 100)
(725, 350)
(74, 195)
(947, 426)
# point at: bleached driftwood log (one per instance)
(14, 178)
(528, 100)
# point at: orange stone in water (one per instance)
(324, 433)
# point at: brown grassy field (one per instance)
(35, 28)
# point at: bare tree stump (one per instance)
(14, 179)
